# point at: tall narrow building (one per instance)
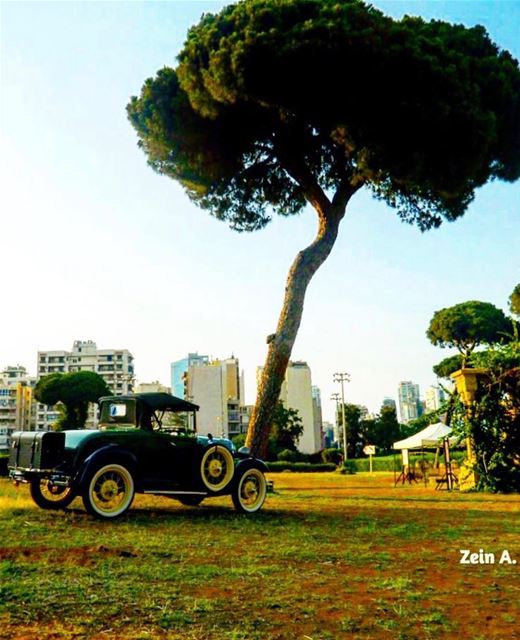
(296, 393)
(317, 414)
(434, 398)
(410, 406)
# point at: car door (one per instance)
(167, 460)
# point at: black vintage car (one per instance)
(146, 443)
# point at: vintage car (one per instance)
(146, 443)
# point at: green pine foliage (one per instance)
(270, 96)
(72, 392)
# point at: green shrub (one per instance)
(288, 455)
(281, 465)
(332, 455)
(349, 466)
(385, 463)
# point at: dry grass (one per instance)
(329, 557)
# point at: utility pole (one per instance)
(342, 378)
(335, 397)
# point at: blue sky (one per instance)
(94, 245)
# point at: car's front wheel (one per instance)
(249, 492)
(48, 495)
(108, 491)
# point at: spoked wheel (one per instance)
(48, 495)
(249, 492)
(217, 467)
(109, 491)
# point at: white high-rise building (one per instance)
(218, 388)
(115, 366)
(317, 413)
(434, 398)
(296, 393)
(410, 406)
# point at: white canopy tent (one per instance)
(431, 436)
(434, 435)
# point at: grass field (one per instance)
(328, 557)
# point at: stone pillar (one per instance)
(466, 381)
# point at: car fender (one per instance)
(108, 453)
(249, 463)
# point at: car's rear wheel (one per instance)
(191, 501)
(249, 492)
(217, 467)
(48, 495)
(108, 491)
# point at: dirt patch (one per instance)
(82, 556)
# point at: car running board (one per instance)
(177, 493)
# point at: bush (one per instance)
(300, 466)
(3, 464)
(288, 455)
(349, 466)
(239, 440)
(385, 463)
(332, 455)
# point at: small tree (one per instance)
(354, 433)
(73, 391)
(468, 325)
(275, 104)
(514, 301)
(287, 427)
(286, 430)
(386, 429)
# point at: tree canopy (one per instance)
(449, 365)
(467, 325)
(269, 98)
(287, 427)
(274, 104)
(74, 391)
(514, 301)
(382, 430)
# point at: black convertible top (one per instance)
(161, 401)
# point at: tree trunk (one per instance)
(303, 268)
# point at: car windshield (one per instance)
(172, 421)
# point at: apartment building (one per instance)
(179, 370)
(218, 388)
(151, 387)
(115, 366)
(17, 409)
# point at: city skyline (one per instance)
(99, 247)
(191, 360)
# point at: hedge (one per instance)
(308, 467)
(386, 463)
